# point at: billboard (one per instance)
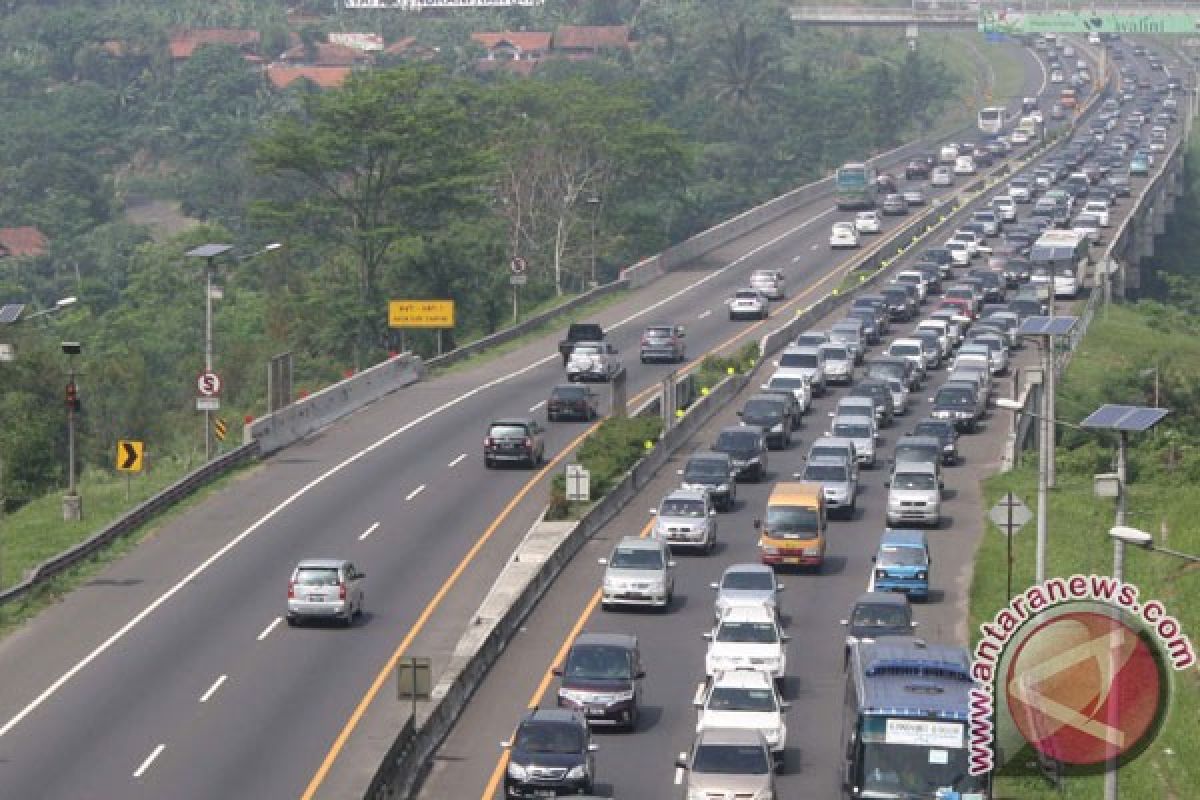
(1107, 21)
(421, 314)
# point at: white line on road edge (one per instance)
(678, 776)
(704, 314)
(456, 461)
(368, 531)
(154, 605)
(267, 630)
(536, 406)
(155, 753)
(213, 689)
(415, 492)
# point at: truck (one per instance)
(576, 333)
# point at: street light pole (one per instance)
(209, 253)
(1110, 765)
(72, 502)
(1045, 444)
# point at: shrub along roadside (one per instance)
(607, 454)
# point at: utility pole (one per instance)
(72, 502)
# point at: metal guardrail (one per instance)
(131, 520)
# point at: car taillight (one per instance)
(489, 442)
(291, 589)
(341, 591)
(528, 442)
(645, 340)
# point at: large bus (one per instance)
(1061, 258)
(992, 119)
(855, 186)
(906, 722)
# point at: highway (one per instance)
(641, 765)
(171, 674)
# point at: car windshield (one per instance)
(747, 632)
(786, 383)
(730, 759)
(851, 430)
(659, 333)
(507, 431)
(757, 579)
(836, 353)
(543, 737)
(706, 468)
(932, 429)
(569, 393)
(587, 350)
(955, 397)
(838, 451)
(737, 441)
(878, 615)
(914, 480)
(833, 473)
(636, 558)
(784, 520)
(901, 557)
(598, 662)
(730, 698)
(905, 349)
(743, 294)
(676, 507)
(802, 360)
(762, 409)
(317, 576)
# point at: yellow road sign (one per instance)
(219, 428)
(129, 455)
(421, 314)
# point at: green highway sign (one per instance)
(1107, 21)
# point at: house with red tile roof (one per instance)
(575, 41)
(280, 76)
(514, 45)
(410, 48)
(23, 241)
(184, 43)
(325, 54)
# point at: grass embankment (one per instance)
(963, 52)
(1164, 467)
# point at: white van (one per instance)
(964, 165)
(948, 154)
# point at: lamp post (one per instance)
(593, 202)
(1144, 540)
(209, 253)
(72, 502)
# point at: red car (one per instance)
(960, 304)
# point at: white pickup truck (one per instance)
(592, 361)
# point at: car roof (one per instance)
(625, 640)
(734, 736)
(927, 467)
(749, 613)
(686, 494)
(882, 599)
(322, 563)
(638, 543)
(555, 715)
(905, 537)
(743, 679)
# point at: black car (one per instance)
(916, 169)
(870, 323)
(879, 393)
(571, 401)
(550, 754)
(993, 284)
(961, 403)
(877, 304)
(876, 614)
(517, 440)
(771, 413)
(893, 367)
(714, 472)
(746, 446)
(945, 432)
(933, 276)
(602, 678)
(899, 306)
(940, 256)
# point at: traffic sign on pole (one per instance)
(517, 265)
(220, 429)
(1010, 514)
(129, 455)
(208, 383)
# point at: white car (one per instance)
(960, 255)
(867, 222)
(592, 361)
(964, 165)
(942, 176)
(746, 699)
(747, 637)
(860, 430)
(1099, 208)
(915, 278)
(912, 350)
(798, 384)
(970, 239)
(768, 281)
(748, 303)
(899, 395)
(1006, 207)
(1056, 76)
(843, 234)
(1019, 136)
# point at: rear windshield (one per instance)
(763, 409)
(825, 472)
(786, 383)
(836, 353)
(317, 576)
(737, 440)
(507, 430)
(798, 360)
(955, 397)
(706, 468)
(870, 615)
(569, 393)
(852, 431)
(659, 333)
(730, 759)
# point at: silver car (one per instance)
(325, 588)
(639, 572)
(728, 762)
(798, 385)
(850, 334)
(839, 363)
(839, 483)
(915, 494)
(687, 518)
(768, 281)
(861, 431)
(748, 303)
(746, 585)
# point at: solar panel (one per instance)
(1124, 418)
(209, 250)
(1047, 326)
(10, 313)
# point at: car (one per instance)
(747, 637)
(550, 753)
(946, 434)
(939, 328)
(325, 589)
(601, 677)
(871, 328)
(1021, 189)
(1057, 76)
(964, 165)
(639, 572)
(748, 303)
(748, 584)
(770, 282)
(714, 473)
(899, 394)
(911, 349)
(959, 251)
(901, 305)
(798, 385)
(1006, 207)
(942, 176)
(593, 361)
(961, 403)
(773, 414)
(894, 204)
(990, 219)
(917, 278)
(867, 222)
(728, 762)
(838, 363)
(914, 196)
(901, 564)
(875, 389)
(843, 234)
(914, 494)
(1100, 209)
(839, 483)
(875, 615)
(861, 431)
(571, 401)
(1139, 165)
(663, 343)
(747, 448)
(686, 518)
(849, 333)
(746, 699)
(884, 366)
(916, 169)
(515, 439)
(803, 362)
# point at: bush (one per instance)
(713, 369)
(608, 453)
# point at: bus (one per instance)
(992, 119)
(906, 722)
(1059, 257)
(855, 186)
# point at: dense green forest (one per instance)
(414, 179)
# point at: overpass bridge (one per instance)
(1032, 15)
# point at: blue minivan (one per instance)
(902, 564)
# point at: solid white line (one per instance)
(415, 492)
(536, 406)
(704, 314)
(213, 689)
(456, 461)
(678, 776)
(368, 531)
(814, 247)
(267, 630)
(149, 760)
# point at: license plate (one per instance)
(594, 712)
(545, 793)
(315, 598)
(793, 560)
